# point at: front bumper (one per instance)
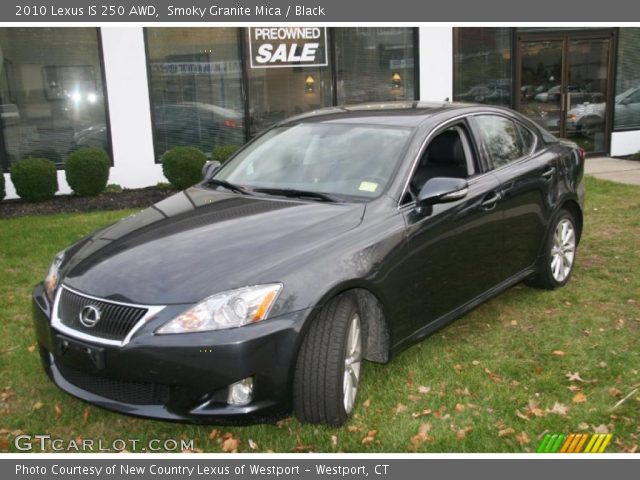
(175, 377)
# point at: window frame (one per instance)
(487, 160)
(5, 163)
(245, 67)
(468, 142)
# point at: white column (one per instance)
(125, 66)
(436, 63)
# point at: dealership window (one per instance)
(195, 83)
(482, 65)
(281, 88)
(51, 93)
(374, 64)
(627, 101)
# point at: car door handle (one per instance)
(548, 173)
(490, 201)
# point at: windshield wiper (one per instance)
(292, 192)
(228, 185)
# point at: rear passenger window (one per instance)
(528, 138)
(499, 138)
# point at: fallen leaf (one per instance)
(400, 408)
(559, 409)
(367, 403)
(521, 415)
(522, 438)
(423, 413)
(583, 426)
(85, 415)
(513, 323)
(301, 447)
(32, 348)
(370, 437)
(506, 432)
(438, 413)
(462, 432)
(459, 407)
(614, 392)
(574, 388)
(6, 394)
(601, 429)
(458, 368)
(579, 398)
(462, 392)
(334, 441)
(57, 410)
(475, 362)
(214, 434)
(356, 428)
(421, 436)
(37, 406)
(409, 378)
(534, 409)
(230, 443)
(574, 377)
(423, 390)
(253, 445)
(558, 353)
(494, 378)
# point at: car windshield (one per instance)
(343, 160)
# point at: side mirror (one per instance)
(442, 190)
(209, 169)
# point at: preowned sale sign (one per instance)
(271, 47)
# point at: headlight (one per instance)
(234, 308)
(53, 277)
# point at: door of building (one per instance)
(564, 83)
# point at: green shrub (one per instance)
(183, 166)
(222, 152)
(87, 171)
(45, 152)
(113, 188)
(2, 192)
(164, 186)
(35, 179)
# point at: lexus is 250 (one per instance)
(335, 237)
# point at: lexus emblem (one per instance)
(89, 316)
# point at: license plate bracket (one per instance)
(70, 347)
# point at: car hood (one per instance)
(200, 242)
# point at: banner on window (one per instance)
(272, 47)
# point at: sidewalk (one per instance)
(614, 169)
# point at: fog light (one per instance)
(241, 393)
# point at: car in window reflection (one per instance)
(578, 94)
(203, 125)
(588, 118)
(335, 237)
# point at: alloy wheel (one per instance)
(563, 250)
(352, 363)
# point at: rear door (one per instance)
(528, 176)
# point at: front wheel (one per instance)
(327, 374)
(559, 255)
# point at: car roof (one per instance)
(406, 114)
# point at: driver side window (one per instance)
(447, 155)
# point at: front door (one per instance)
(564, 84)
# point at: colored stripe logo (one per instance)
(574, 443)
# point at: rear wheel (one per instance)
(327, 374)
(557, 262)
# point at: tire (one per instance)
(551, 274)
(328, 364)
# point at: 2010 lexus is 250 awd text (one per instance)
(338, 236)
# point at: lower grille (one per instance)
(116, 320)
(136, 393)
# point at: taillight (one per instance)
(582, 154)
(230, 123)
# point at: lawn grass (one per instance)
(490, 380)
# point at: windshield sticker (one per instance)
(368, 186)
